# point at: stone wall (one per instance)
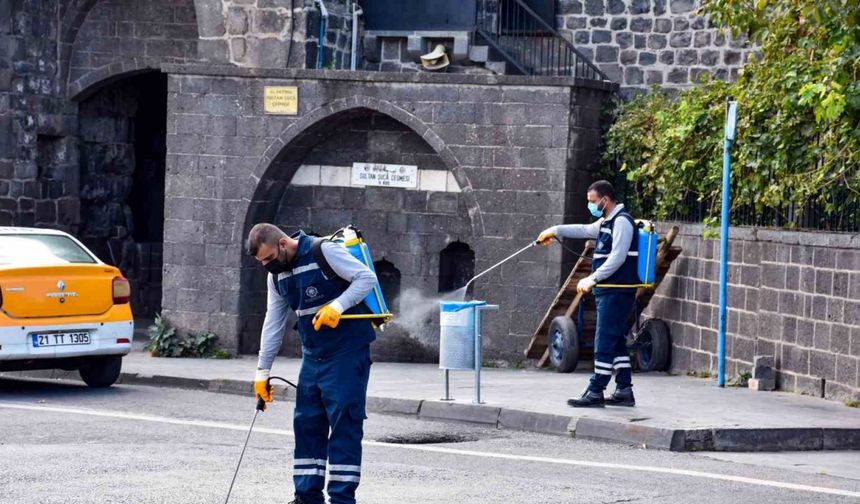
(272, 33)
(129, 34)
(640, 43)
(792, 295)
(511, 143)
(37, 151)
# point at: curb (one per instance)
(625, 432)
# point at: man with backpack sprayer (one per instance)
(614, 267)
(336, 333)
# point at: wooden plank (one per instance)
(563, 300)
(544, 359)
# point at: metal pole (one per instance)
(729, 136)
(479, 347)
(356, 11)
(447, 396)
(321, 45)
(479, 358)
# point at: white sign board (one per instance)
(384, 175)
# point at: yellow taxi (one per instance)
(61, 307)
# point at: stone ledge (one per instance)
(382, 77)
(773, 235)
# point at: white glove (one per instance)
(586, 284)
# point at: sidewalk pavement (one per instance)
(673, 412)
(676, 413)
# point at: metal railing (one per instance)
(529, 43)
(838, 216)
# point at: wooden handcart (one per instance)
(566, 333)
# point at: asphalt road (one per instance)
(64, 443)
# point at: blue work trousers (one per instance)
(610, 343)
(328, 422)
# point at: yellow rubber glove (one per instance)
(329, 316)
(262, 387)
(546, 236)
(586, 284)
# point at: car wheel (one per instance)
(563, 345)
(102, 371)
(653, 346)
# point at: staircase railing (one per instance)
(529, 43)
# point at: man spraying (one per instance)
(332, 387)
(614, 263)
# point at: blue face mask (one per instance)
(595, 210)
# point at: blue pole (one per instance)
(321, 50)
(321, 43)
(729, 136)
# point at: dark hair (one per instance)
(603, 188)
(263, 233)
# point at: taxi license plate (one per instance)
(61, 339)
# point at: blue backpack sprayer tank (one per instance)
(351, 239)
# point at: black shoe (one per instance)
(622, 397)
(298, 500)
(588, 399)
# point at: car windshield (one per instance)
(37, 250)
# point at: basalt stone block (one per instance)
(678, 76)
(569, 7)
(682, 6)
(629, 57)
(709, 57)
(654, 77)
(607, 54)
(633, 76)
(656, 41)
(687, 57)
(667, 57)
(647, 58)
(594, 7)
(641, 24)
(680, 39)
(615, 6)
(601, 36)
(662, 25)
(618, 24)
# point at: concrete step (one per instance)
(479, 54)
(499, 67)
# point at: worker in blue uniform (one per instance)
(332, 386)
(614, 263)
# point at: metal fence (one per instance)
(842, 217)
(809, 216)
(529, 43)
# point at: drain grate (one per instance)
(427, 438)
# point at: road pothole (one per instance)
(427, 438)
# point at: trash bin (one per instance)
(457, 334)
(461, 339)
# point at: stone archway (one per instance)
(272, 186)
(102, 40)
(121, 142)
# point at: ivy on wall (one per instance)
(797, 154)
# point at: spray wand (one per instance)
(503, 261)
(261, 406)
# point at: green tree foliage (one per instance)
(798, 138)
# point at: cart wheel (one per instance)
(653, 346)
(563, 345)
